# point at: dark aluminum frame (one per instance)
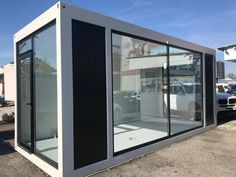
(27, 54)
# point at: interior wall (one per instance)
(46, 126)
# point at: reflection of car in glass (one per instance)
(126, 106)
(186, 98)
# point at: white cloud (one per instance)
(141, 10)
(213, 39)
(183, 24)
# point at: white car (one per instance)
(225, 102)
(186, 98)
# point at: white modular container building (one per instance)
(93, 91)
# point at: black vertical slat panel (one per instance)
(89, 89)
(209, 82)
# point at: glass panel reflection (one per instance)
(185, 90)
(45, 73)
(139, 78)
(24, 46)
(24, 101)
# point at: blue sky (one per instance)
(210, 23)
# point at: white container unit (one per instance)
(93, 91)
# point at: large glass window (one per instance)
(45, 95)
(185, 90)
(139, 81)
(140, 91)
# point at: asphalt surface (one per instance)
(210, 154)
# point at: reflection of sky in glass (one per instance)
(45, 46)
(116, 39)
(132, 47)
(177, 50)
(24, 46)
(160, 49)
(195, 55)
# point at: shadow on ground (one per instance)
(5, 148)
(7, 135)
(224, 117)
(6, 139)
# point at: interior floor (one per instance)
(130, 134)
(48, 148)
(127, 135)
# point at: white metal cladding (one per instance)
(64, 14)
(51, 14)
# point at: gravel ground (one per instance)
(7, 110)
(12, 164)
(210, 154)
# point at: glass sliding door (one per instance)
(185, 90)
(37, 93)
(45, 93)
(24, 101)
(139, 84)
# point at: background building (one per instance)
(7, 81)
(229, 52)
(220, 70)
